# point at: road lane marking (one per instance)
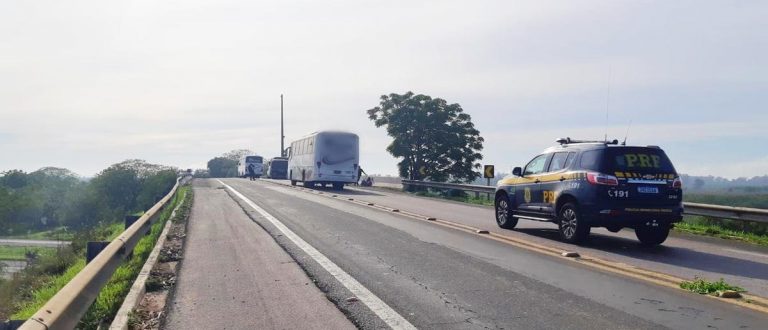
(378, 306)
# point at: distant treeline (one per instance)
(757, 184)
(53, 197)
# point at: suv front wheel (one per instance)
(573, 228)
(504, 216)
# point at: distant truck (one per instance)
(276, 168)
(247, 160)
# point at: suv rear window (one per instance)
(638, 159)
(590, 160)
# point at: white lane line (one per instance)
(754, 254)
(379, 307)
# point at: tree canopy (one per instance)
(222, 167)
(436, 140)
(225, 166)
(51, 197)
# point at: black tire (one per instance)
(338, 186)
(503, 212)
(652, 236)
(293, 182)
(308, 184)
(573, 228)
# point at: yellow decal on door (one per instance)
(549, 197)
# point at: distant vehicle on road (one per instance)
(325, 158)
(584, 184)
(245, 161)
(276, 168)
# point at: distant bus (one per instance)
(325, 158)
(258, 165)
(276, 168)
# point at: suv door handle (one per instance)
(537, 181)
(562, 178)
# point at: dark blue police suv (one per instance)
(583, 184)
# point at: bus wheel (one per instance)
(293, 182)
(308, 184)
(338, 186)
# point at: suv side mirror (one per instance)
(517, 171)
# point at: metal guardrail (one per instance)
(457, 186)
(68, 306)
(726, 212)
(708, 210)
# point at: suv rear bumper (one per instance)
(631, 216)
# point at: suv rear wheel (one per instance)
(504, 216)
(652, 235)
(573, 228)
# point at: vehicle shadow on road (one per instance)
(671, 255)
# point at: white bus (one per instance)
(246, 160)
(324, 158)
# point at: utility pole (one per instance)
(282, 133)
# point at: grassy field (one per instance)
(20, 252)
(469, 199)
(698, 226)
(56, 234)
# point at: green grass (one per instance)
(469, 199)
(702, 286)
(20, 252)
(112, 294)
(714, 230)
(46, 292)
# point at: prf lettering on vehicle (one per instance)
(642, 160)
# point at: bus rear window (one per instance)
(643, 160)
(253, 159)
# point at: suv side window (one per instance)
(559, 161)
(590, 160)
(536, 165)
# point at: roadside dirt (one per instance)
(152, 310)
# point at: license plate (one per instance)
(648, 190)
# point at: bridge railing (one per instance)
(708, 210)
(65, 309)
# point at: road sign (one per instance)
(488, 172)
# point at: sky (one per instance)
(86, 84)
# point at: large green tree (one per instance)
(222, 167)
(436, 140)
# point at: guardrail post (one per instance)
(92, 249)
(130, 219)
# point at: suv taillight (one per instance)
(600, 178)
(677, 183)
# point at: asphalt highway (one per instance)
(437, 278)
(685, 256)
